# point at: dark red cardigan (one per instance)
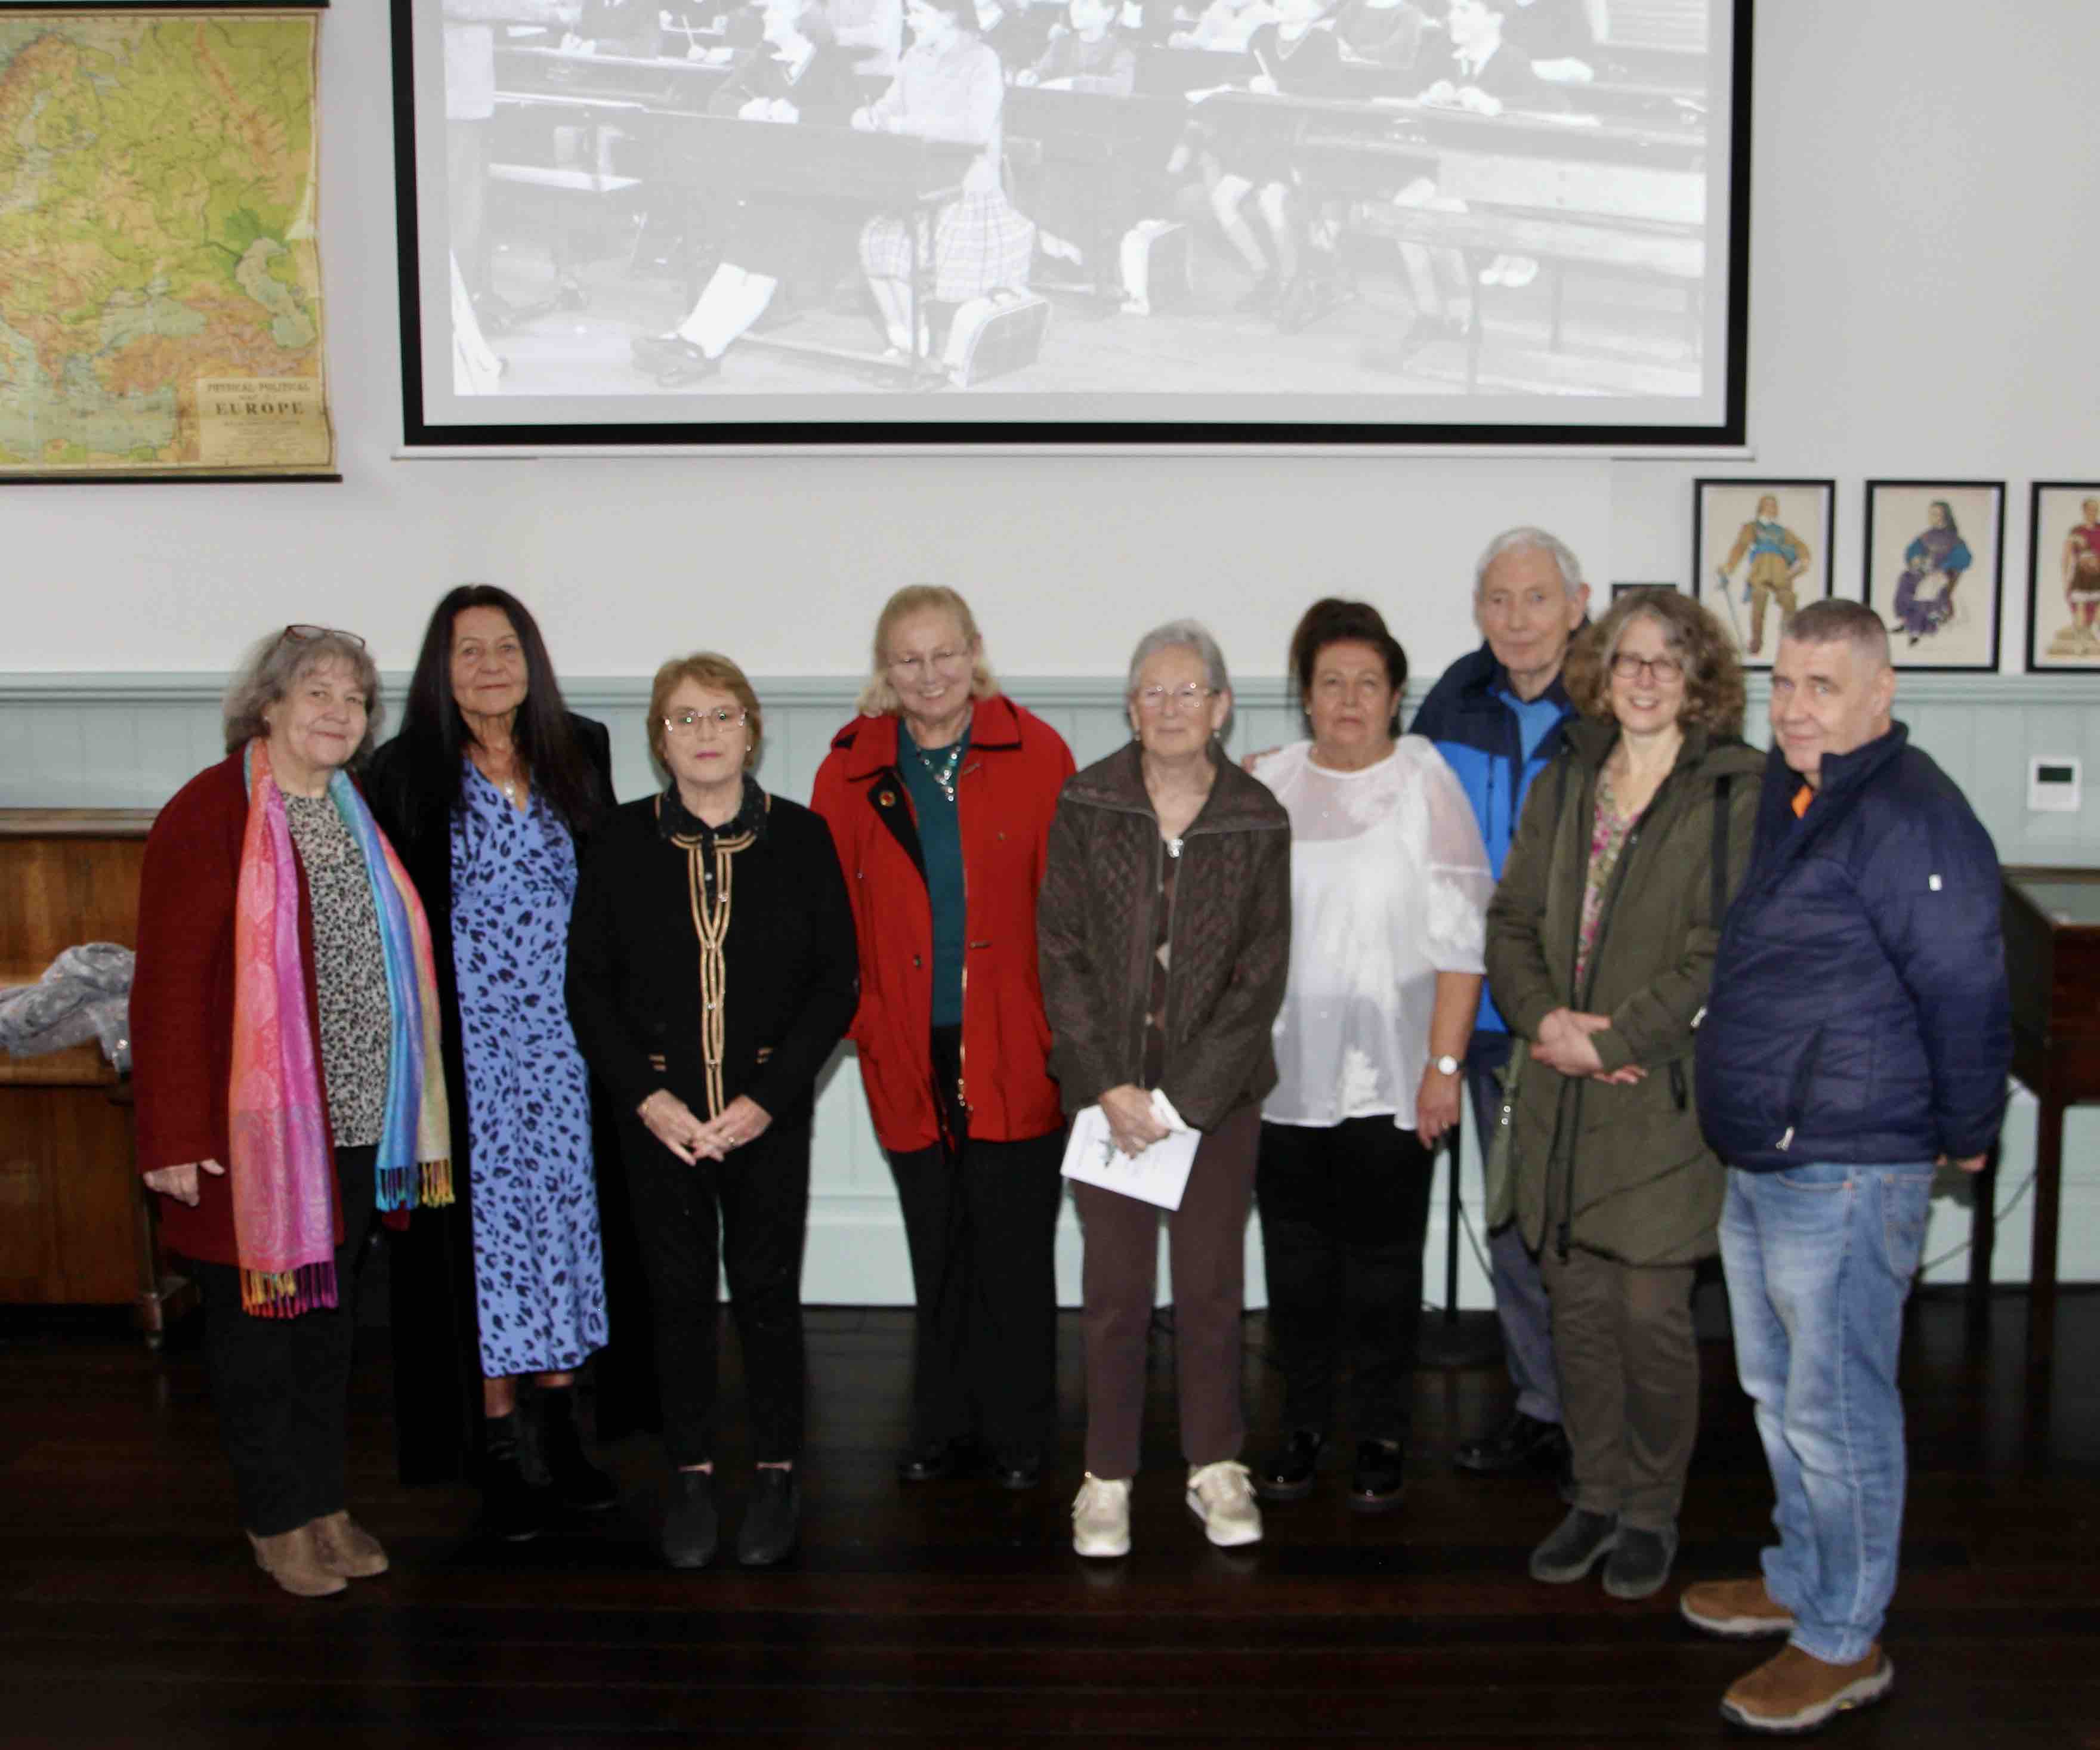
(182, 1001)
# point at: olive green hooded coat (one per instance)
(1622, 1171)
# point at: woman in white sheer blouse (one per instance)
(1389, 891)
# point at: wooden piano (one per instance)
(2052, 928)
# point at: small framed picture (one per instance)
(1935, 553)
(1760, 549)
(1639, 589)
(2063, 575)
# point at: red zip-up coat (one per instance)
(1006, 795)
(182, 1002)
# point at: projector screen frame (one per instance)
(424, 435)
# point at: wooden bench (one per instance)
(76, 1226)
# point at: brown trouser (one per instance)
(1206, 1251)
(1629, 1368)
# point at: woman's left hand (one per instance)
(742, 1121)
(1564, 1042)
(1436, 1104)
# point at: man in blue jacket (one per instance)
(1859, 1033)
(1496, 717)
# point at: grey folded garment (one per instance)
(86, 994)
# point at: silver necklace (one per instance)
(944, 773)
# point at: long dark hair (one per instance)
(435, 736)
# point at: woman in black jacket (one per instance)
(490, 791)
(712, 968)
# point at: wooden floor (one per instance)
(955, 1615)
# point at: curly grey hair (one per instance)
(1525, 539)
(276, 663)
(1187, 635)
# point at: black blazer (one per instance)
(437, 1358)
(790, 961)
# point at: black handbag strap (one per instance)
(1721, 785)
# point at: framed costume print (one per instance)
(2063, 575)
(1761, 549)
(1935, 555)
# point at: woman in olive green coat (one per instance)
(1600, 945)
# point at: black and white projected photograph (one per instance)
(1080, 221)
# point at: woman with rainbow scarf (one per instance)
(288, 1087)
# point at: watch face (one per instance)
(1447, 1066)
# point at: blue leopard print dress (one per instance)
(538, 1276)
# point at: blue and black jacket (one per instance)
(1859, 1013)
(1475, 728)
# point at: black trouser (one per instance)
(1344, 1211)
(281, 1386)
(981, 1224)
(745, 1217)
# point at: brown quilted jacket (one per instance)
(1231, 939)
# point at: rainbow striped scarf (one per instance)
(280, 1165)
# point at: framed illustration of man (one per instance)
(1935, 555)
(1760, 550)
(2063, 575)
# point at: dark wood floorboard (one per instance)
(956, 1615)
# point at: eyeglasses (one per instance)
(307, 634)
(1664, 668)
(1156, 699)
(721, 719)
(939, 661)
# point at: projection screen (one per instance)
(1059, 222)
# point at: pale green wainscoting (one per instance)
(129, 740)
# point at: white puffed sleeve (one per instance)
(1460, 882)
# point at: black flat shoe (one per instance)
(1376, 1485)
(681, 362)
(1017, 1471)
(1575, 1546)
(1521, 1443)
(772, 1520)
(931, 1462)
(1286, 1475)
(691, 1525)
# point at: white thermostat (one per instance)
(2054, 785)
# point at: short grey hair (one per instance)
(1838, 622)
(276, 663)
(1526, 539)
(1184, 635)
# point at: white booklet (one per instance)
(1159, 1175)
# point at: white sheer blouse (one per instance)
(1389, 886)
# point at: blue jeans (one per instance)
(1820, 1259)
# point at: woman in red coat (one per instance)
(286, 1077)
(939, 797)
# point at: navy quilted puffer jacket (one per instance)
(1859, 1013)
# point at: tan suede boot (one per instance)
(344, 1547)
(291, 1559)
(1797, 1692)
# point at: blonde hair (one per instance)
(878, 698)
(709, 669)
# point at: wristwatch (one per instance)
(1447, 1066)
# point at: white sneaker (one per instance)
(1100, 1517)
(1220, 1495)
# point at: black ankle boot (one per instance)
(578, 1485)
(512, 1509)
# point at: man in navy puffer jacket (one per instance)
(1859, 1033)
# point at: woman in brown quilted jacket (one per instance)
(1164, 932)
